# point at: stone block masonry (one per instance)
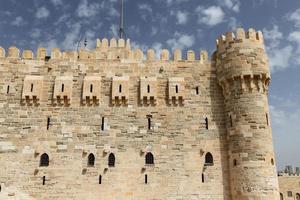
(113, 123)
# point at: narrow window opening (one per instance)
(281, 196)
(297, 196)
(91, 160)
(206, 123)
(272, 161)
(48, 123)
(0, 188)
(267, 119)
(202, 177)
(149, 159)
(176, 88)
(234, 162)
(197, 90)
(44, 180)
(44, 160)
(146, 179)
(231, 124)
(62, 87)
(7, 90)
(209, 160)
(148, 88)
(111, 160)
(91, 88)
(100, 179)
(149, 123)
(120, 88)
(31, 87)
(102, 124)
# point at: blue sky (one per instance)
(185, 24)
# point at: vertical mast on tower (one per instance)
(121, 31)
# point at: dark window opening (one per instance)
(7, 90)
(297, 196)
(120, 88)
(62, 87)
(146, 179)
(234, 162)
(176, 88)
(44, 160)
(100, 179)
(44, 180)
(267, 119)
(202, 177)
(197, 90)
(281, 196)
(149, 123)
(272, 161)
(0, 188)
(48, 123)
(289, 194)
(206, 123)
(102, 124)
(47, 58)
(91, 160)
(209, 160)
(31, 87)
(148, 88)
(149, 159)
(91, 88)
(231, 124)
(111, 160)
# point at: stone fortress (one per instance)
(289, 183)
(113, 123)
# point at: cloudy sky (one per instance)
(185, 24)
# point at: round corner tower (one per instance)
(243, 73)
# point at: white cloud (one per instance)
(18, 21)
(280, 57)
(233, 24)
(42, 12)
(295, 17)
(35, 33)
(182, 17)
(233, 5)
(87, 10)
(273, 37)
(57, 2)
(181, 41)
(210, 16)
(114, 30)
(145, 7)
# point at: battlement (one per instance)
(241, 36)
(112, 49)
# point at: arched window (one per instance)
(209, 160)
(44, 161)
(111, 160)
(91, 160)
(281, 196)
(297, 196)
(149, 159)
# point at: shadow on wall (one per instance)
(12, 193)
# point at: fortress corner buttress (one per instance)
(243, 73)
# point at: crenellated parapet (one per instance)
(113, 49)
(241, 61)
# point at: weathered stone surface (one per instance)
(189, 111)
